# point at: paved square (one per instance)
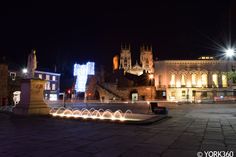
(192, 128)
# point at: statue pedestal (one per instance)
(31, 102)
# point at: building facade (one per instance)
(195, 80)
(145, 63)
(52, 86)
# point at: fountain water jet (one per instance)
(93, 114)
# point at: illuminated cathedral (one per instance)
(145, 63)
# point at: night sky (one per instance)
(68, 32)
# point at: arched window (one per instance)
(215, 80)
(204, 80)
(172, 80)
(183, 80)
(224, 81)
(125, 62)
(194, 79)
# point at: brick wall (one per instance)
(3, 84)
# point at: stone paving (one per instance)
(192, 128)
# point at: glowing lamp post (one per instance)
(230, 52)
(25, 72)
(151, 76)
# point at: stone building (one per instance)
(195, 80)
(51, 89)
(3, 84)
(146, 60)
(119, 86)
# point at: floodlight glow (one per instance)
(24, 71)
(229, 52)
(151, 76)
(81, 72)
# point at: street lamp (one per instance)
(229, 55)
(151, 76)
(230, 52)
(24, 71)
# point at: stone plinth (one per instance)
(31, 102)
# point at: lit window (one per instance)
(53, 86)
(199, 83)
(224, 80)
(172, 94)
(47, 86)
(204, 80)
(163, 93)
(40, 76)
(172, 81)
(53, 97)
(215, 80)
(189, 84)
(178, 84)
(54, 78)
(194, 77)
(182, 80)
(13, 76)
(47, 77)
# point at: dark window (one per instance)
(194, 93)
(204, 94)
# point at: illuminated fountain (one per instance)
(94, 114)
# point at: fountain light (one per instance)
(92, 113)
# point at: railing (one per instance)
(195, 86)
(109, 91)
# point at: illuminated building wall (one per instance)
(145, 62)
(81, 72)
(52, 85)
(187, 80)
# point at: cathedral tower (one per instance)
(125, 58)
(146, 58)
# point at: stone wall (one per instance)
(110, 91)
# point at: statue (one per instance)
(32, 64)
